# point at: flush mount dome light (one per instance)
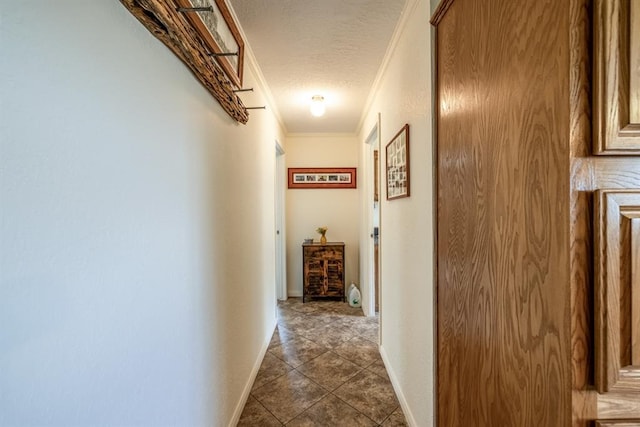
(317, 105)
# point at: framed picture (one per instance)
(398, 165)
(322, 178)
(219, 34)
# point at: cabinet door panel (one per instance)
(335, 284)
(315, 277)
(617, 257)
(617, 77)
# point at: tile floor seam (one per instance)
(346, 403)
(329, 391)
(389, 416)
(311, 379)
(267, 409)
(268, 382)
(305, 409)
(356, 409)
(373, 372)
(295, 416)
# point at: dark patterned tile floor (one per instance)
(322, 368)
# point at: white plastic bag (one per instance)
(354, 296)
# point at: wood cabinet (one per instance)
(616, 83)
(617, 286)
(538, 212)
(616, 215)
(323, 270)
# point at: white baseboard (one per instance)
(294, 294)
(254, 373)
(396, 387)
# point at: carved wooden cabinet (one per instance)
(323, 270)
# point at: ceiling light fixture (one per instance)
(317, 105)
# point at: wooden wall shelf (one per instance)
(176, 32)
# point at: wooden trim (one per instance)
(435, 107)
(618, 406)
(172, 29)
(440, 11)
(618, 423)
(591, 173)
(583, 397)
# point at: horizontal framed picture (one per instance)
(398, 165)
(322, 178)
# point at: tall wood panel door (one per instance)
(538, 252)
(503, 214)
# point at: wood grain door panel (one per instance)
(616, 89)
(525, 335)
(617, 287)
(502, 213)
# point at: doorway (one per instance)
(370, 242)
(280, 235)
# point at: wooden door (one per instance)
(503, 213)
(538, 212)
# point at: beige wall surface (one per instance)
(136, 227)
(404, 95)
(308, 209)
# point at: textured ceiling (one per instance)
(332, 48)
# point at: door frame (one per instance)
(280, 236)
(367, 262)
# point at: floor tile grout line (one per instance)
(375, 373)
(268, 382)
(320, 385)
(307, 408)
(356, 409)
(267, 409)
(346, 403)
(389, 416)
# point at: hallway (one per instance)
(322, 368)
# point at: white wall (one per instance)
(308, 209)
(403, 95)
(136, 227)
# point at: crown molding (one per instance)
(408, 10)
